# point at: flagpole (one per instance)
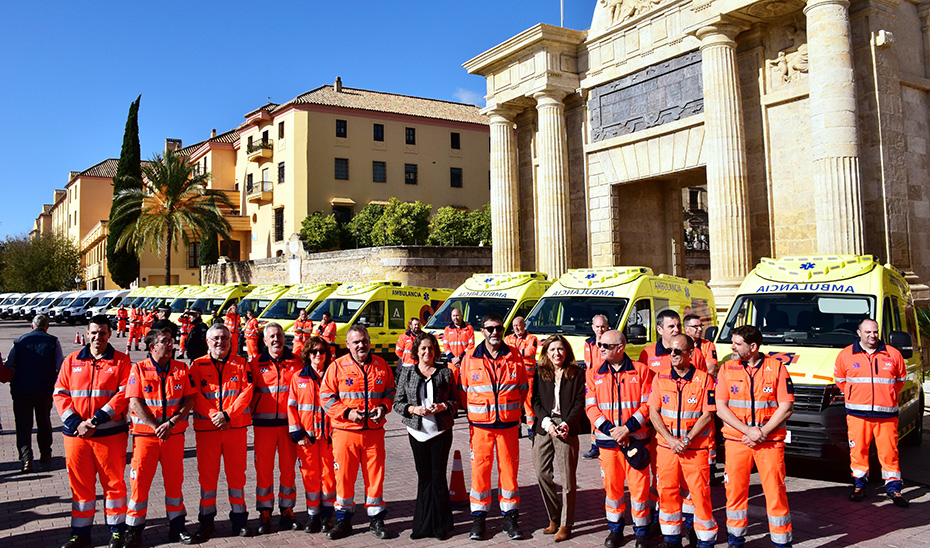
(562, 12)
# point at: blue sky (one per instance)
(69, 70)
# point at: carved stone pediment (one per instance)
(608, 13)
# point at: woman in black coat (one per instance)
(427, 398)
(558, 402)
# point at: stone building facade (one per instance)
(808, 123)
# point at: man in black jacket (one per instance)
(35, 358)
(197, 340)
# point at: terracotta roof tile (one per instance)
(106, 168)
(228, 137)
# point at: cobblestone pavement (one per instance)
(35, 508)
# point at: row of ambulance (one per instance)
(807, 308)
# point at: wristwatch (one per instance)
(94, 421)
(686, 440)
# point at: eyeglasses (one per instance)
(493, 328)
(317, 351)
(698, 326)
(679, 352)
(607, 346)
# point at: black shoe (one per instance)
(78, 542)
(670, 545)
(376, 526)
(207, 529)
(133, 537)
(45, 458)
(28, 467)
(137, 349)
(858, 494)
(692, 538)
(314, 524)
(898, 499)
(183, 537)
(477, 528)
(287, 521)
(341, 529)
(592, 453)
(116, 540)
(327, 525)
(510, 526)
(242, 531)
(642, 541)
(614, 540)
(264, 519)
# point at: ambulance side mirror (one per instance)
(902, 342)
(636, 334)
(710, 333)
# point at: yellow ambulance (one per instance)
(808, 309)
(287, 307)
(509, 294)
(163, 295)
(135, 296)
(629, 296)
(261, 298)
(209, 298)
(383, 306)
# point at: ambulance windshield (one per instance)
(472, 308)
(342, 310)
(800, 319)
(255, 305)
(573, 315)
(286, 309)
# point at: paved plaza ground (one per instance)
(35, 508)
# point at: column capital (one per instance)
(719, 31)
(501, 113)
(813, 4)
(549, 96)
(923, 11)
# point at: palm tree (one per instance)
(175, 205)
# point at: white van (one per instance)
(52, 299)
(108, 300)
(74, 313)
(54, 313)
(29, 300)
(7, 305)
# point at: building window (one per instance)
(230, 249)
(455, 177)
(377, 131)
(280, 172)
(342, 169)
(279, 224)
(248, 183)
(456, 140)
(343, 214)
(410, 174)
(379, 172)
(193, 255)
(410, 134)
(342, 129)
(280, 130)
(249, 145)
(204, 164)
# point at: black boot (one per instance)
(287, 521)
(78, 541)
(341, 529)
(133, 537)
(314, 524)
(240, 521)
(376, 526)
(510, 525)
(478, 528)
(207, 528)
(264, 520)
(614, 539)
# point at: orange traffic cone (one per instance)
(77, 337)
(83, 340)
(457, 482)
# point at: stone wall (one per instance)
(427, 266)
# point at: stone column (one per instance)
(834, 134)
(725, 153)
(553, 239)
(505, 226)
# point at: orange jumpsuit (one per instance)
(526, 346)
(681, 401)
(135, 328)
(163, 392)
(306, 419)
(708, 352)
(233, 321)
(456, 341)
(222, 387)
(618, 398)
(147, 322)
(90, 388)
(271, 381)
(349, 385)
(251, 338)
(185, 325)
(327, 331)
(753, 395)
(404, 348)
(301, 338)
(492, 391)
(122, 317)
(871, 384)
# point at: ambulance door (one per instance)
(638, 328)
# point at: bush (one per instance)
(478, 229)
(320, 232)
(360, 227)
(402, 224)
(448, 227)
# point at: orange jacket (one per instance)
(186, 324)
(753, 394)
(681, 402)
(656, 356)
(492, 390)
(251, 329)
(526, 346)
(232, 321)
(301, 338)
(221, 386)
(592, 354)
(162, 393)
(614, 398)
(456, 341)
(708, 352)
(870, 382)
(327, 331)
(149, 319)
(271, 381)
(305, 415)
(135, 317)
(349, 385)
(91, 388)
(122, 314)
(404, 348)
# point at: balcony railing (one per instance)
(259, 191)
(260, 150)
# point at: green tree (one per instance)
(123, 264)
(320, 232)
(361, 225)
(209, 249)
(47, 262)
(402, 224)
(175, 205)
(448, 227)
(478, 229)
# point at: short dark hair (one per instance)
(154, 333)
(750, 334)
(425, 336)
(664, 315)
(99, 319)
(690, 317)
(491, 317)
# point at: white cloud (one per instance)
(463, 95)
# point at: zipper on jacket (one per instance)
(679, 406)
(752, 394)
(874, 374)
(164, 393)
(93, 374)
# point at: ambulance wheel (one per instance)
(916, 436)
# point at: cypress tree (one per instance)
(123, 264)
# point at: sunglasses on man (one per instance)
(493, 328)
(607, 346)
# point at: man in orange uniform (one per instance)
(404, 348)
(233, 321)
(312, 431)
(271, 379)
(754, 399)
(526, 345)
(135, 329)
(693, 327)
(656, 356)
(871, 374)
(221, 420)
(681, 409)
(327, 329)
(493, 388)
(122, 317)
(357, 392)
(91, 400)
(615, 402)
(251, 334)
(148, 318)
(457, 339)
(593, 358)
(185, 324)
(161, 394)
(303, 330)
